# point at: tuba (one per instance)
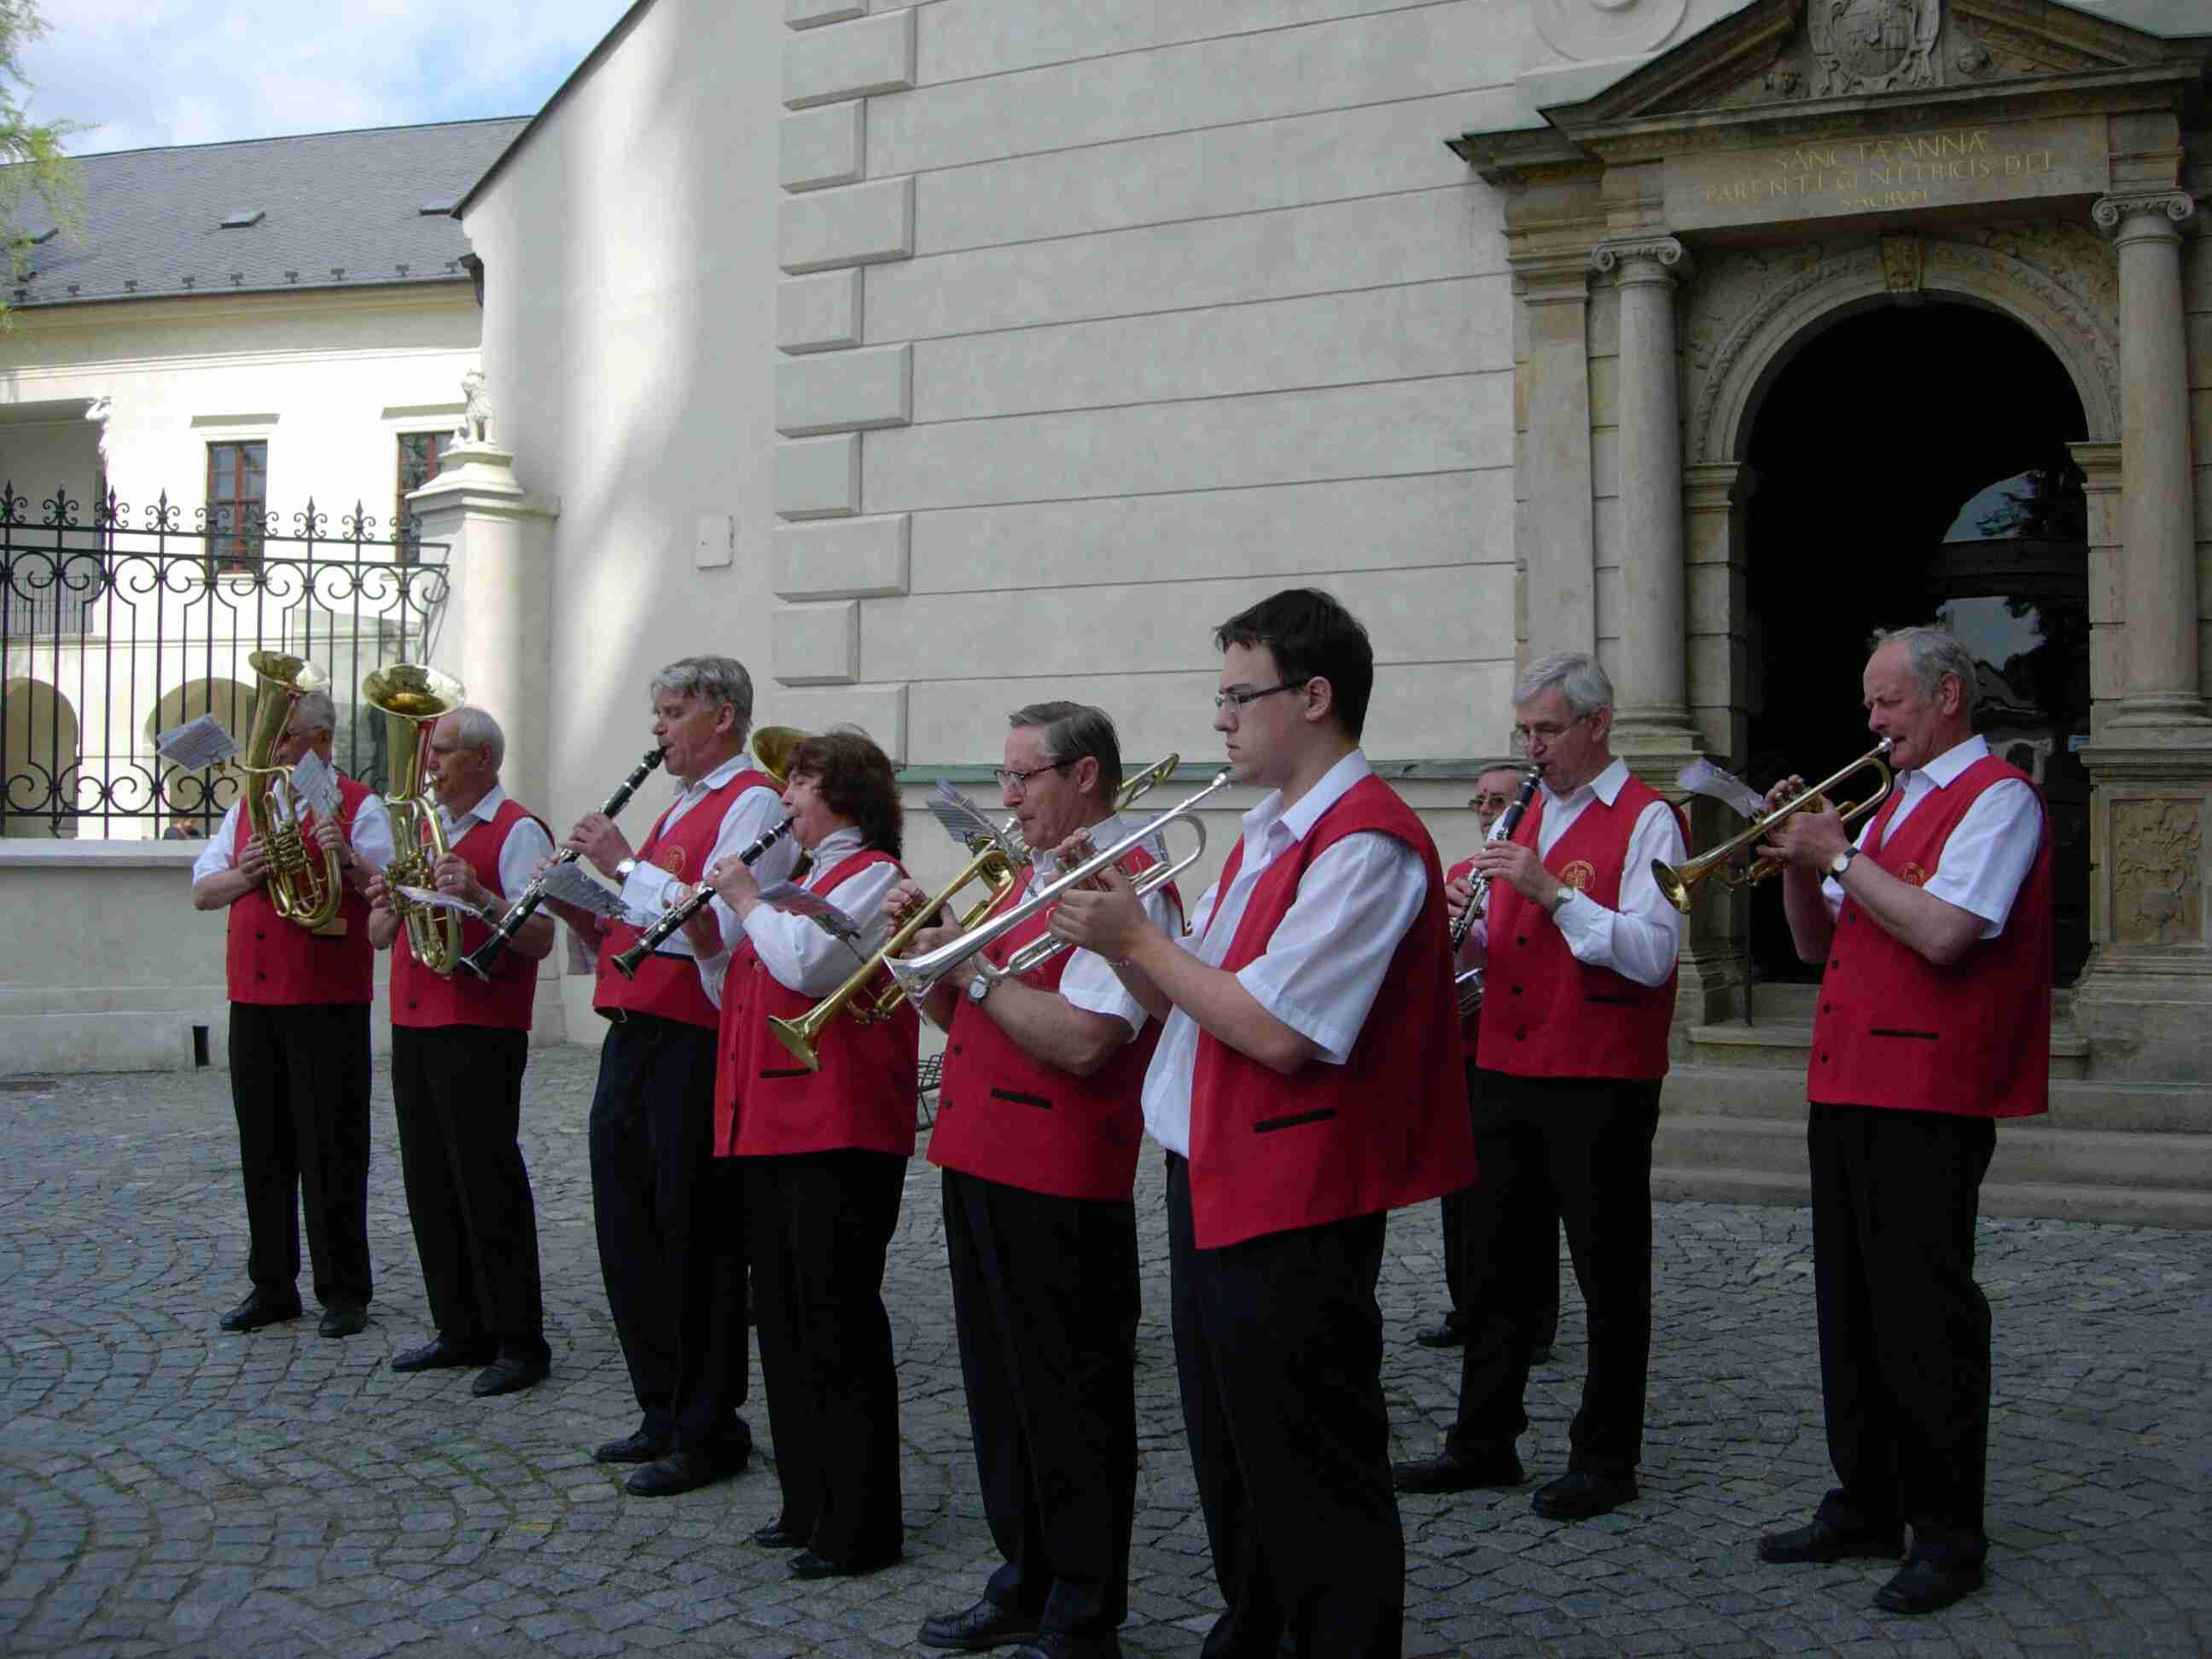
(302, 890)
(411, 697)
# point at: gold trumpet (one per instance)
(412, 697)
(1679, 885)
(302, 890)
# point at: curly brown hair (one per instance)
(857, 782)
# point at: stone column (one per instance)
(2159, 584)
(1560, 536)
(1651, 678)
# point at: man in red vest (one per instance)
(1306, 1083)
(1038, 1124)
(299, 1047)
(1579, 948)
(459, 1048)
(669, 1215)
(1933, 1022)
(1493, 791)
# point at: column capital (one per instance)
(1643, 259)
(2114, 212)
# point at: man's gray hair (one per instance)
(316, 712)
(475, 728)
(1072, 731)
(1932, 653)
(713, 680)
(1585, 685)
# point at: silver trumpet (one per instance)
(918, 975)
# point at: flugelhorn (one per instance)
(1680, 884)
(303, 889)
(919, 975)
(412, 698)
(1469, 983)
(479, 961)
(773, 747)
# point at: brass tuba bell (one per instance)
(302, 890)
(412, 697)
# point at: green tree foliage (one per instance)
(35, 171)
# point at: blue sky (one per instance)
(142, 73)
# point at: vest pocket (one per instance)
(1038, 1101)
(786, 1071)
(1267, 1126)
(1890, 1031)
(1616, 1001)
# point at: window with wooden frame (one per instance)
(237, 504)
(420, 455)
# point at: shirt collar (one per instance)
(835, 846)
(722, 773)
(484, 810)
(1333, 785)
(1943, 771)
(1605, 786)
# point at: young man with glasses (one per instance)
(1038, 1127)
(1307, 1082)
(1580, 993)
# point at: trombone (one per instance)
(1679, 884)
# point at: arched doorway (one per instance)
(1913, 467)
(38, 760)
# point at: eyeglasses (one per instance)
(1021, 780)
(1237, 700)
(1547, 735)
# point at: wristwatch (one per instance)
(979, 987)
(1560, 899)
(622, 869)
(1842, 862)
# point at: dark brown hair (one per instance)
(857, 782)
(1311, 637)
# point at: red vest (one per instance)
(668, 985)
(277, 962)
(1895, 1029)
(1007, 1117)
(1549, 1015)
(1470, 1028)
(421, 998)
(767, 1103)
(1388, 1128)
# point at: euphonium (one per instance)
(412, 697)
(301, 891)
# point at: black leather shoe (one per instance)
(987, 1624)
(343, 1322)
(510, 1376)
(637, 1447)
(1819, 1542)
(1065, 1644)
(776, 1536)
(680, 1472)
(1446, 1335)
(808, 1564)
(1452, 1473)
(1923, 1587)
(1579, 1494)
(257, 1311)
(440, 1354)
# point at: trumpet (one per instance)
(412, 698)
(1679, 884)
(1469, 983)
(674, 917)
(919, 975)
(479, 961)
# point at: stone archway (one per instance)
(40, 742)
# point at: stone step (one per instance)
(2162, 1207)
(2025, 1156)
(2096, 1103)
(1787, 1043)
(1774, 1002)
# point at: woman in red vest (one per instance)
(825, 1155)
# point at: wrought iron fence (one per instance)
(115, 627)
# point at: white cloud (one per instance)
(154, 72)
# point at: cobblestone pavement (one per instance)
(171, 1490)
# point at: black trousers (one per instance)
(299, 1084)
(1546, 1328)
(820, 1224)
(1905, 1330)
(457, 1095)
(1045, 1303)
(671, 1230)
(1579, 1148)
(1279, 1349)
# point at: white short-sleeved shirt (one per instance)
(527, 844)
(1987, 856)
(370, 833)
(1327, 959)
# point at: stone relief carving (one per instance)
(1586, 30)
(1874, 46)
(2157, 848)
(475, 412)
(1739, 291)
(1901, 263)
(2068, 267)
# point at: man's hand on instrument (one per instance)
(898, 903)
(596, 838)
(1519, 868)
(332, 839)
(1808, 840)
(377, 892)
(254, 863)
(453, 878)
(1105, 916)
(1457, 895)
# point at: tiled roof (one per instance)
(337, 209)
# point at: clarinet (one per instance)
(479, 961)
(670, 921)
(1507, 821)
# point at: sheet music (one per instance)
(315, 784)
(963, 820)
(794, 900)
(198, 742)
(438, 901)
(568, 883)
(1701, 777)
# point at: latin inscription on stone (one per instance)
(1939, 166)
